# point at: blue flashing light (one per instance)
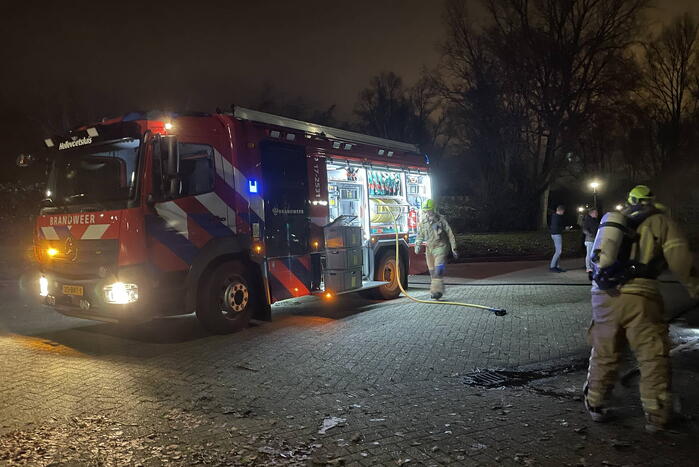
(132, 116)
(252, 185)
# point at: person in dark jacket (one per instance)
(589, 227)
(557, 227)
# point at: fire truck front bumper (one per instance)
(101, 299)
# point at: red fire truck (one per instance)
(223, 214)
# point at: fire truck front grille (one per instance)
(88, 257)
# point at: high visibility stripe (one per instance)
(77, 231)
(241, 186)
(674, 244)
(174, 216)
(172, 240)
(227, 172)
(278, 290)
(216, 206)
(197, 234)
(218, 163)
(287, 279)
(50, 233)
(94, 232)
(300, 269)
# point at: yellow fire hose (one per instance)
(497, 311)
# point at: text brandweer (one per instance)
(72, 219)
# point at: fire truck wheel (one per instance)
(226, 301)
(386, 271)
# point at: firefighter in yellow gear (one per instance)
(634, 314)
(434, 230)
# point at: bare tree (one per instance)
(551, 63)
(389, 109)
(670, 91)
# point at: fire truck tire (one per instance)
(386, 271)
(227, 300)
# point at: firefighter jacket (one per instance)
(435, 231)
(660, 243)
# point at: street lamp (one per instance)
(594, 184)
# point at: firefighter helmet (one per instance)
(640, 194)
(428, 205)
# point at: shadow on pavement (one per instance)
(340, 307)
(163, 335)
(144, 340)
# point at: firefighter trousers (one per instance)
(639, 321)
(436, 261)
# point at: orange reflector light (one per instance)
(51, 251)
(315, 244)
(258, 248)
(328, 295)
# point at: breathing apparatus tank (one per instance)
(611, 250)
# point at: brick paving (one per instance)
(74, 391)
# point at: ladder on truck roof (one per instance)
(322, 130)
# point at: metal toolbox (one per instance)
(343, 258)
(342, 236)
(341, 280)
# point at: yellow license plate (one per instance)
(73, 290)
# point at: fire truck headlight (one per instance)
(51, 252)
(43, 286)
(120, 293)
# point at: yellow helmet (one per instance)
(428, 205)
(640, 194)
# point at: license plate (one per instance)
(73, 290)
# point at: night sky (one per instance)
(107, 58)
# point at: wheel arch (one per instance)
(384, 246)
(215, 253)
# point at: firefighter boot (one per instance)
(437, 288)
(435, 262)
(597, 414)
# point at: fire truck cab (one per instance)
(223, 214)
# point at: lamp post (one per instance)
(594, 184)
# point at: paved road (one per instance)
(392, 372)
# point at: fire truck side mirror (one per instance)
(25, 160)
(170, 150)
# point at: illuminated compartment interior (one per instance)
(388, 193)
(418, 190)
(386, 200)
(347, 193)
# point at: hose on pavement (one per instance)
(496, 311)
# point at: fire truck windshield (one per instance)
(102, 174)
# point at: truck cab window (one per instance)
(196, 169)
